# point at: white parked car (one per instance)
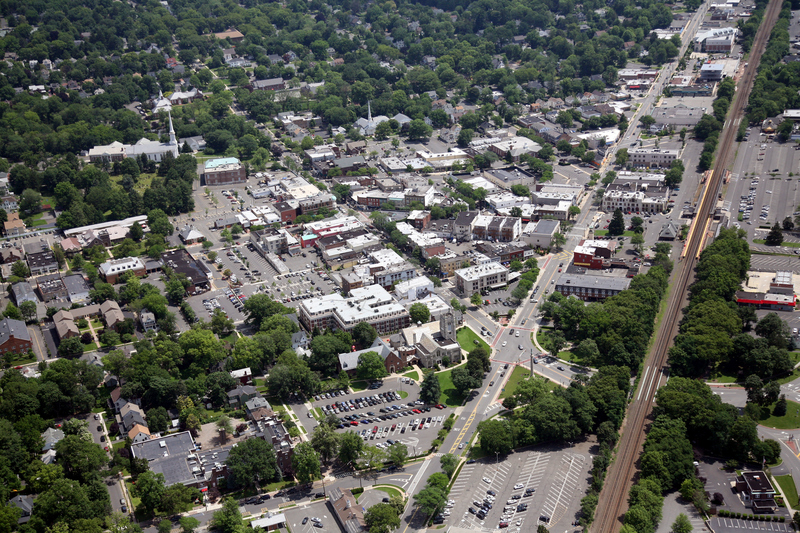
(487, 480)
(519, 486)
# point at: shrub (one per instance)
(357, 490)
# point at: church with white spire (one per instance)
(366, 126)
(153, 150)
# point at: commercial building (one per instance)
(652, 157)
(715, 40)
(177, 458)
(224, 171)
(503, 229)
(711, 72)
(51, 287)
(14, 336)
(632, 194)
(414, 289)
(112, 270)
(23, 292)
(678, 116)
(65, 325)
(591, 288)
(757, 490)
(40, 258)
(347, 511)
(479, 277)
(541, 233)
(767, 291)
(181, 262)
(372, 304)
(77, 289)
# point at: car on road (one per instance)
(560, 368)
(504, 343)
(461, 446)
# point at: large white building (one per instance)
(652, 157)
(476, 278)
(153, 150)
(372, 304)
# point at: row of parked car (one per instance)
(364, 418)
(360, 403)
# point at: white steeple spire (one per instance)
(172, 139)
(369, 111)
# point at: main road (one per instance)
(613, 498)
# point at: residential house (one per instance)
(189, 235)
(116, 401)
(130, 419)
(14, 226)
(243, 375)
(25, 504)
(148, 321)
(139, 433)
(241, 394)
(10, 255)
(51, 437)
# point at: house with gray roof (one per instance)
(77, 289)
(25, 505)
(51, 437)
(23, 292)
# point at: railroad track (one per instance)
(621, 474)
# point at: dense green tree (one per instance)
(430, 389)
(252, 462)
(305, 462)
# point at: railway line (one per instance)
(613, 498)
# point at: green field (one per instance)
(602, 232)
(450, 396)
(784, 243)
(358, 386)
(791, 420)
(391, 491)
(789, 489)
(519, 373)
(466, 339)
(92, 346)
(403, 394)
(412, 375)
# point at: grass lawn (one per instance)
(92, 346)
(603, 232)
(784, 243)
(97, 325)
(519, 373)
(450, 396)
(541, 336)
(791, 420)
(230, 338)
(467, 340)
(789, 489)
(118, 445)
(412, 375)
(359, 385)
(403, 394)
(391, 491)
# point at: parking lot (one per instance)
(381, 422)
(542, 486)
(763, 174)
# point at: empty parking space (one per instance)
(562, 488)
(726, 525)
(528, 486)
